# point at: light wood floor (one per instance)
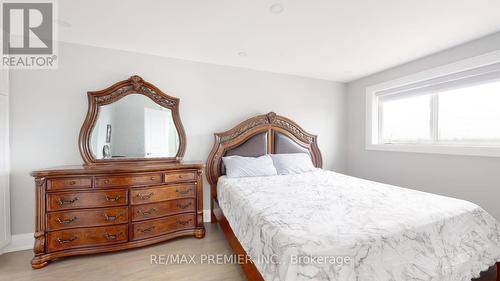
(130, 265)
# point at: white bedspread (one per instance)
(387, 232)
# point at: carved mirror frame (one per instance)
(133, 85)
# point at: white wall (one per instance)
(476, 179)
(49, 106)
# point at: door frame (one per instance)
(4, 173)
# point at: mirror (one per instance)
(134, 127)
(132, 121)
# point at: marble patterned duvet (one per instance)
(328, 226)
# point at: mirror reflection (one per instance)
(134, 127)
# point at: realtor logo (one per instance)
(28, 35)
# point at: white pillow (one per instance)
(239, 166)
(292, 163)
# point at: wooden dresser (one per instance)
(133, 190)
(83, 210)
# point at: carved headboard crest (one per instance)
(269, 123)
(272, 119)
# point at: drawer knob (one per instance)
(146, 213)
(183, 222)
(145, 196)
(180, 206)
(113, 199)
(72, 182)
(152, 178)
(68, 221)
(63, 201)
(146, 230)
(112, 218)
(111, 237)
(63, 241)
(106, 181)
(184, 192)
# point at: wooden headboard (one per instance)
(257, 136)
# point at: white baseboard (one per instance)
(25, 241)
(4, 243)
(206, 216)
(20, 242)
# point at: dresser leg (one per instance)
(37, 264)
(199, 233)
(39, 250)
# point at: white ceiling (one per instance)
(338, 40)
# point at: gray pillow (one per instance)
(292, 163)
(239, 166)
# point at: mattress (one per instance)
(324, 225)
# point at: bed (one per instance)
(323, 225)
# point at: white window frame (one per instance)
(372, 111)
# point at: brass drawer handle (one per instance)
(146, 213)
(106, 181)
(145, 196)
(62, 241)
(60, 221)
(146, 230)
(183, 192)
(152, 178)
(185, 206)
(113, 199)
(183, 222)
(72, 182)
(62, 201)
(111, 237)
(112, 218)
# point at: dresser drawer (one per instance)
(162, 226)
(94, 217)
(156, 194)
(129, 180)
(148, 211)
(180, 177)
(63, 183)
(83, 199)
(82, 237)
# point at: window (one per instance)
(470, 115)
(454, 110)
(405, 120)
